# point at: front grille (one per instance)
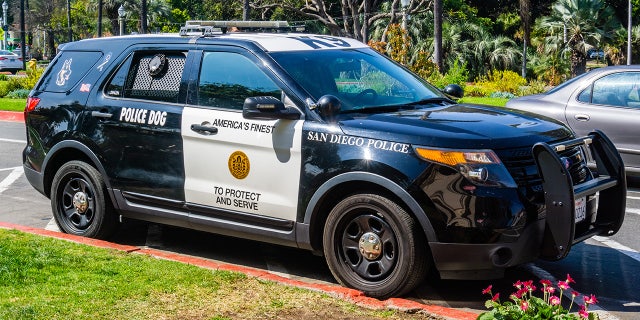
(524, 171)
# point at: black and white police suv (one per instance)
(315, 142)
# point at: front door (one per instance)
(238, 169)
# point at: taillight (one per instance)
(32, 102)
(3, 58)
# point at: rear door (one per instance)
(611, 104)
(135, 122)
(239, 169)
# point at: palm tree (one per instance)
(578, 25)
(469, 44)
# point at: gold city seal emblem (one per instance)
(239, 165)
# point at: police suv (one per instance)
(315, 142)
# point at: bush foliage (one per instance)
(19, 86)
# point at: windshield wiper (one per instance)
(430, 100)
(397, 107)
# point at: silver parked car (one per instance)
(10, 61)
(606, 99)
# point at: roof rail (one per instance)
(209, 27)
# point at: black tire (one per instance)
(79, 201)
(352, 229)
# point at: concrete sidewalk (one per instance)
(347, 294)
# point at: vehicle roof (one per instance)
(271, 42)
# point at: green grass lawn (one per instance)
(498, 102)
(7, 104)
(46, 278)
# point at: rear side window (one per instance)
(149, 75)
(68, 70)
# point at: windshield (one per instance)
(360, 78)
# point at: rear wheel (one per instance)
(79, 202)
(373, 245)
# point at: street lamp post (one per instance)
(5, 27)
(121, 14)
(629, 36)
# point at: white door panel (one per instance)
(266, 162)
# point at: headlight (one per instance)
(482, 167)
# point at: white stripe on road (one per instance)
(634, 198)
(633, 210)
(12, 140)
(634, 254)
(11, 178)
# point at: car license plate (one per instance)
(12, 60)
(581, 209)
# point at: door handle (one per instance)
(205, 130)
(582, 117)
(98, 114)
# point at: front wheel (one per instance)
(79, 202)
(373, 245)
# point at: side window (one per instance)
(149, 75)
(227, 79)
(619, 89)
(585, 95)
(69, 68)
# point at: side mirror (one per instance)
(267, 108)
(453, 91)
(329, 107)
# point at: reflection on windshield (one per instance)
(360, 78)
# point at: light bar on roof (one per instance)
(238, 24)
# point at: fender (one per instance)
(78, 146)
(414, 207)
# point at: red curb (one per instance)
(351, 295)
(69, 237)
(11, 116)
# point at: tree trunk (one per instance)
(525, 16)
(437, 34)
(578, 63)
(143, 17)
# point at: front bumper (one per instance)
(549, 238)
(560, 193)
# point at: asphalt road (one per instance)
(606, 267)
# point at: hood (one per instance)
(457, 126)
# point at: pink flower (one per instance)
(524, 305)
(518, 284)
(583, 312)
(569, 279)
(487, 290)
(564, 285)
(575, 293)
(496, 297)
(545, 282)
(529, 285)
(550, 289)
(590, 299)
(521, 293)
(554, 301)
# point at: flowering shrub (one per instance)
(522, 304)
